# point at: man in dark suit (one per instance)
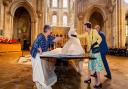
(103, 50)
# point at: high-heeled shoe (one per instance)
(87, 81)
(98, 86)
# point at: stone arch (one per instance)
(22, 27)
(96, 18)
(25, 4)
(15, 5)
(99, 9)
(96, 8)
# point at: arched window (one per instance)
(54, 20)
(65, 20)
(65, 3)
(54, 3)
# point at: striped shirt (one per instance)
(41, 42)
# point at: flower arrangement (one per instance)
(6, 40)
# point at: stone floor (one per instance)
(19, 76)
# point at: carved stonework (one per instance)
(6, 2)
(39, 13)
(110, 9)
(80, 16)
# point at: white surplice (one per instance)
(43, 75)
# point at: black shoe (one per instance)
(98, 86)
(94, 75)
(87, 81)
(108, 76)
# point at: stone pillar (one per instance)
(40, 15)
(80, 23)
(1, 16)
(115, 26)
(11, 26)
(108, 31)
(34, 31)
(119, 23)
(34, 3)
(123, 29)
(6, 22)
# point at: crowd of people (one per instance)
(118, 51)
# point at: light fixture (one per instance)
(126, 1)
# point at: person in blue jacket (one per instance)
(40, 67)
(42, 42)
(103, 50)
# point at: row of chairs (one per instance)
(118, 51)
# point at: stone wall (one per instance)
(113, 12)
(35, 9)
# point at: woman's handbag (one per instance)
(95, 49)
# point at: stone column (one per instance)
(11, 26)
(33, 31)
(1, 15)
(108, 30)
(123, 29)
(115, 26)
(40, 15)
(120, 23)
(6, 20)
(80, 23)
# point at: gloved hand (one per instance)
(73, 35)
(94, 44)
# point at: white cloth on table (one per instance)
(43, 73)
(72, 47)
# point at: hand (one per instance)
(73, 35)
(94, 44)
(40, 50)
(57, 39)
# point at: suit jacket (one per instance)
(103, 45)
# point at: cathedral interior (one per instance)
(22, 20)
